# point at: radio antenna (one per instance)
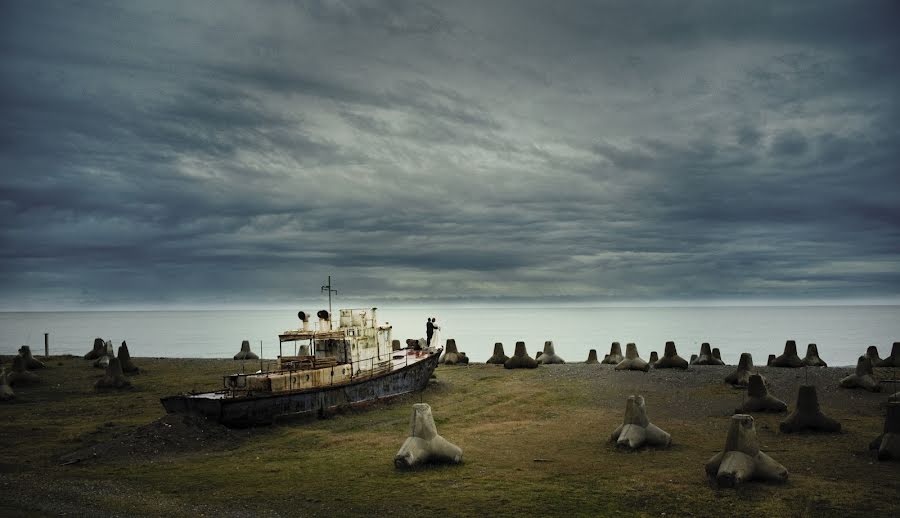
(328, 288)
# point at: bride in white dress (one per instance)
(435, 337)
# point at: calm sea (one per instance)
(841, 332)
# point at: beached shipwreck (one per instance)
(333, 366)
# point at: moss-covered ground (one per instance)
(535, 443)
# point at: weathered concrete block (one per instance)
(98, 349)
(872, 355)
(888, 443)
(807, 416)
(592, 357)
(424, 445)
(894, 359)
(124, 356)
(245, 352)
(632, 361)
(863, 377)
(758, 398)
(742, 460)
(706, 356)
(670, 359)
(103, 361)
(452, 356)
(789, 358)
(636, 430)
(114, 378)
(520, 360)
(31, 363)
(614, 356)
(812, 357)
(741, 376)
(20, 375)
(6, 391)
(550, 356)
(499, 357)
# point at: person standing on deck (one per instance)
(429, 331)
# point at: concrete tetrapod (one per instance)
(550, 355)
(770, 361)
(6, 392)
(706, 356)
(741, 376)
(888, 443)
(742, 460)
(654, 357)
(537, 357)
(636, 430)
(812, 357)
(632, 361)
(789, 358)
(125, 359)
(97, 351)
(807, 415)
(759, 399)
(30, 361)
(245, 352)
(114, 377)
(894, 359)
(872, 355)
(452, 356)
(424, 445)
(592, 357)
(499, 357)
(20, 374)
(520, 360)
(615, 354)
(693, 358)
(717, 354)
(103, 361)
(670, 359)
(863, 377)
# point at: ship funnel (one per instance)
(324, 320)
(304, 317)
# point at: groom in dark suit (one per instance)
(429, 331)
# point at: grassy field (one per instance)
(535, 443)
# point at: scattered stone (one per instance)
(789, 358)
(245, 352)
(550, 355)
(742, 460)
(30, 361)
(863, 377)
(888, 443)
(592, 357)
(872, 354)
(499, 357)
(452, 356)
(759, 399)
(654, 357)
(114, 377)
(670, 359)
(807, 415)
(520, 360)
(125, 359)
(97, 351)
(6, 392)
(812, 357)
(424, 445)
(706, 356)
(20, 374)
(395, 345)
(741, 376)
(636, 430)
(770, 361)
(632, 361)
(615, 354)
(894, 359)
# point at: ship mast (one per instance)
(327, 288)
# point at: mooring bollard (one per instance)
(46, 345)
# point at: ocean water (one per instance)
(841, 332)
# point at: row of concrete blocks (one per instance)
(741, 459)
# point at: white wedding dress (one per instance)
(435, 339)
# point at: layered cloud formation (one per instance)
(226, 152)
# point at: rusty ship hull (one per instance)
(262, 409)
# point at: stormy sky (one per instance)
(237, 153)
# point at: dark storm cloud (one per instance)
(226, 152)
